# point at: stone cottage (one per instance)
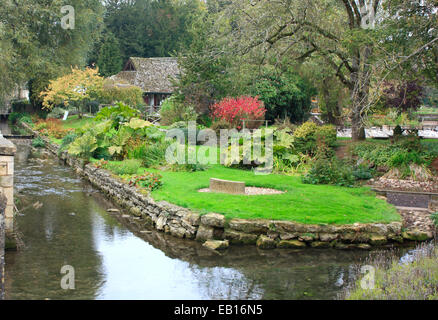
(153, 75)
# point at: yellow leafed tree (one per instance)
(76, 86)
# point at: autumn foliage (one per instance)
(75, 86)
(51, 127)
(234, 110)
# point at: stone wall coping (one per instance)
(404, 192)
(7, 148)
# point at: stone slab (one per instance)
(408, 200)
(226, 186)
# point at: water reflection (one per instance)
(111, 262)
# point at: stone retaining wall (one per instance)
(3, 203)
(180, 222)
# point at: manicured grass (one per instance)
(312, 204)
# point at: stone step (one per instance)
(412, 209)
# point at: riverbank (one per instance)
(117, 260)
(266, 234)
(413, 278)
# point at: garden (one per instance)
(320, 178)
(318, 187)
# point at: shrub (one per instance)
(233, 110)
(407, 151)
(172, 111)
(286, 96)
(101, 163)
(38, 143)
(83, 146)
(26, 119)
(219, 125)
(150, 155)
(330, 171)
(434, 217)
(101, 153)
(398, 132)
(129, 166)
(14, 117)
(130, 95)
(148, 180)
(118, 114)
(285, 123)
(67, 140)
(52, 127)
(189, 167)
(403, 159)
(362, 173)
(40, 126)
(309, 136)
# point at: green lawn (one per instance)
(301, 202)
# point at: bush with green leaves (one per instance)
(403, 153)
(129, 166)
(148, 180)
(285, 95)
(286, 157)
(173, 111)
(362, 172)
(151, 155)
(309, 135)
(119, 113)
(402, 159)
(330, 171)
(189, 167)
(434, 217)
(15, 117)
(83, 147)
(129, 95)
(38, 143)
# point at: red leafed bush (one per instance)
(233, 110)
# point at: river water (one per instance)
(64, 221)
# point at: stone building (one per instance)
(20, 92)
(153, 75)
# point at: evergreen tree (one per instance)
(110, 60)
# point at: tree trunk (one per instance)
(360, 92)
(357, 128)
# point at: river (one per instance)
(64, 221)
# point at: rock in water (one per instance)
(216, 244)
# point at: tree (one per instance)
(347, 34)
(33, 44)
(73, 88)
(404, 96)
(149, 28)
(205, 78)
(285, 95)
(110, 60)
